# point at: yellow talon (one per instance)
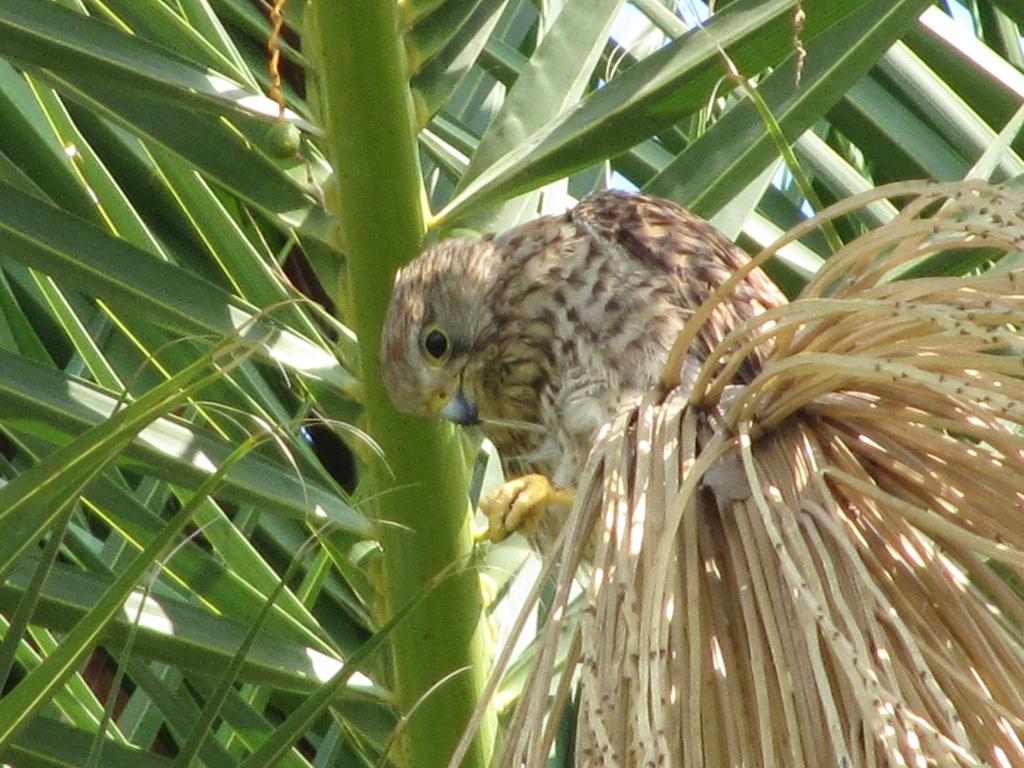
(519, 503)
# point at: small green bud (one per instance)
(283, 140)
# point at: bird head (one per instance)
(432, 326)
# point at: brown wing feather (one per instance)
(691, 254)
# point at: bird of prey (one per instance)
(539, 333)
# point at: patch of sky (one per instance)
(960, 13)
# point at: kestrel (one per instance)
(539, 333)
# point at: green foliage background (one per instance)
(191, 421)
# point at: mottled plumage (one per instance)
(554, 322)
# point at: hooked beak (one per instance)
(460, 409)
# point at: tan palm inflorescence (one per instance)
(815, 568)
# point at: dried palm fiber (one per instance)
(800, 571)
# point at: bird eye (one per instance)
(436, 344)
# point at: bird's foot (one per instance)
(518, 504)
